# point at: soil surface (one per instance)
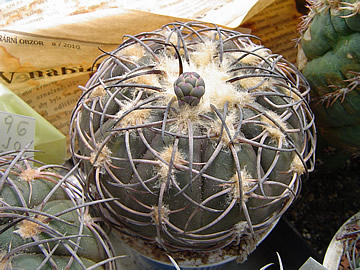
(326, 201)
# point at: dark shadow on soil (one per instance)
(326, 201)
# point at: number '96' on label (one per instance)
(16, 131)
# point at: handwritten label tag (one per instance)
(16, 131)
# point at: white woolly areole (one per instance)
(227, 135)
(27, 228)
(149, 79)
(166, 155)
(274, 131)
(133, 52)
(297, 165)
(241, 228)
(99, 159)
(164, 212)
(204, 54)
(247, 184)
(98, 92)
(28, 175)
(256, 55)
(131, 118)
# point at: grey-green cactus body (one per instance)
(202, 172)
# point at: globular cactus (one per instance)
(329, 59)
(200, 134)
(45, 222)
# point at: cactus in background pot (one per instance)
(329, 59)
(200, 133)
(343, 251)
(44, 221)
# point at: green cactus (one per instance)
(44, 221)
(211, 173)
(329, 59)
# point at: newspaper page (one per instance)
(277, 26)
(46, 52)
(229, 13)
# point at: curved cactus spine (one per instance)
(213, 174)
(45, 220)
